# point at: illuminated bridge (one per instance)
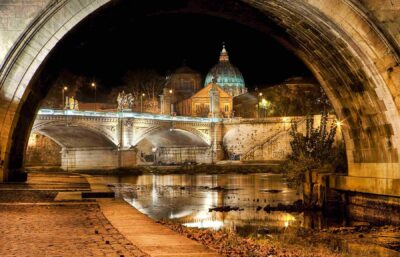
(115, 137)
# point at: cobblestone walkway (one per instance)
(32, 224)
(60, 230)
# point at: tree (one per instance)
(65, 79)
(313, 150)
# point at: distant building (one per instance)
(211, 101)
(184, 83)
(222, 83)
(228, 77)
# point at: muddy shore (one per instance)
(358, 240)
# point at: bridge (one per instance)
(113, 137)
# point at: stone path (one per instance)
(151, 237)
(35, 222)
(60, 230)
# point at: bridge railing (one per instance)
(263, 120)
(124, 114)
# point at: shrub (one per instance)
(314, 150)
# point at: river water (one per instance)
(187, 199)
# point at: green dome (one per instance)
(227, 76)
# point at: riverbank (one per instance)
(224, 168)
(299, 242)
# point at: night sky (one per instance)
(111, 42)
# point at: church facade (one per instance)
(211, 101)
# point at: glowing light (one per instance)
(338, 123)
(143, 94)
(170, 91)
(93, 84)
(287, 219)
(260, 94)
(285, 119)
(203, 215)
(180, 214)
(214, 224)
(65, 88)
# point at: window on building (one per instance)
(226, 107)
(197, 108)
(207, 107)
(187, 84)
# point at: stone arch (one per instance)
(203, 134)
(95, 128)
(77, 136)
(345, 50)
(155, 129)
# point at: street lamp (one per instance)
(64, 88)
(95, 95)
(141, 102)
(172, 101)
(258, 104)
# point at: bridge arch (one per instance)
(43, 124)
(76, 136)
(347, 52)
(185, 129)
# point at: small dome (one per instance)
(227, 76)
(185, 70)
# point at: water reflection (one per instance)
(188, 198)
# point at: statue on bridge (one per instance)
(125, 101)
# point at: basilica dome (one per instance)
(227, 76)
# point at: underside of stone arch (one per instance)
(347, 52)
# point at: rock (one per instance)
(272, 191)
(263, 231)
(226, 208)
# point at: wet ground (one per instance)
(189, 200)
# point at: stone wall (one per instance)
(15, 16)
(42, 151)
(240, 139)
(100, 158)
(386, 13)
(266, 139)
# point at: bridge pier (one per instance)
(100, 158)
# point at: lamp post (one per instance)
(258, 104)
(95, 95)
(141, 102)
(172, 100)
(64, 88)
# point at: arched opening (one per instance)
(173, 147)
(71, 147)
(353, 63)
(42, 151)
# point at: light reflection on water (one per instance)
(187, 199)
